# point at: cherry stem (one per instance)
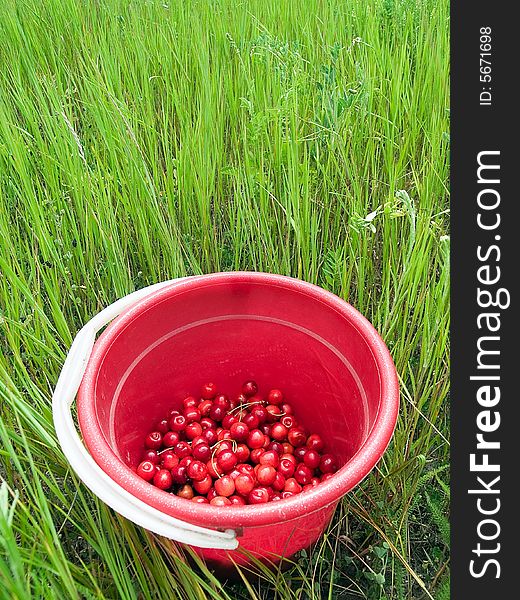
(245, 405)
(214, 447)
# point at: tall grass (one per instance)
(141, 141)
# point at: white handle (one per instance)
(86, 467)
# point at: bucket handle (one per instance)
(90, 473)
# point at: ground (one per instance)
(141, 141)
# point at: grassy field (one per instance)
(144, 140)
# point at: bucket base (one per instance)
(251, 568)
(270, 546)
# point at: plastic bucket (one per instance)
(227, 327)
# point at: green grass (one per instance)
(141, 141)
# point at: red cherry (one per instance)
(224, 445)
(228, 420)
(217, 413)
(312, 459)
(328, 464)
(291, 485)
(240, 414)
(258, 495)
(182, 449)
(210, 435)
(234, 473)
(204, 485)
(244, 483)
(278, 432)
(197, 470)
(224, 434)
(297, 437)
(249, 388)
(245, 468)
(237, 500)
(300, 452)
(260, 413)
(288, 448)
(192, 414)
(273, 413)
(279, 482)
(200, 500)
(251, 421)
(207, 423)
(303, 474)
(201, 451)
(225, 486)
(256, 454)
(220, 501)
(226, 460)
(314, 442)
(170, 439)
(193, 430)
(239, 431)
(152, 456)
(289, 421)
(186, 461)
(163, 479)
(266, 475)
(177, 423)
(275, 397)
(190, 401)
(169, 460)
(222, 401)
(265, 428)
(214, 443)
(146, 470)
(287, 408)
(213, 469)
(289, 457)
(204, 407)
(162, 426)
(286, 468)
(186, 492)
(179, 474)
(208, 391)
(276, 447)
(255, 439)
(153, 440)
(242, 452)
(271, 458)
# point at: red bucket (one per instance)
(227, 328)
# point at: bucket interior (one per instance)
(229, 332)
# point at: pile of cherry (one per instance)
(222, 451)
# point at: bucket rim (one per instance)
(344, 480)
